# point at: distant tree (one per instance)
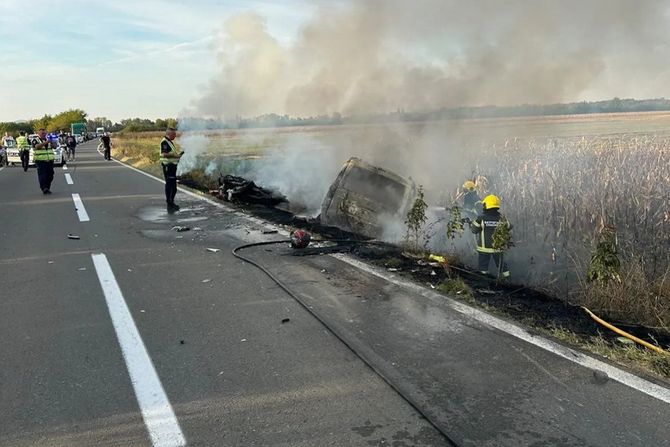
(63, 120)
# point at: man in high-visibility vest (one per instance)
(43, 155)
(24, 150)
(169, 158)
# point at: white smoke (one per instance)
(301, 169)
(194, 146)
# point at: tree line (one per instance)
(63, 120)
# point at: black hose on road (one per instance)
(340, 337)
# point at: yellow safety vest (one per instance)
(44, 154)
(22, 143)
(165, 160)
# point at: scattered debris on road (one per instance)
(206, 280)
(72, 236)
(213, 250)
(82, 269)
(270, 231)
(285, 320)
(239, 189)
(180, 228)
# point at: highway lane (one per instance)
(233, 373)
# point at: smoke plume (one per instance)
(383, 55)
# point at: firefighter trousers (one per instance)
(485, 260)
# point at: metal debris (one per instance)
(213, 250)
(72, 236)
(180, 228)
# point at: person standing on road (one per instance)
(43, 156)
(71, 143)
(24, 150)
(169, 158)
(106, 142)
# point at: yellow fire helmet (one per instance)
(491, 202)
(469, 185)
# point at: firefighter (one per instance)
(484, 226)
(24, 150)
(169, 158)
(43, 155)
(471, 200)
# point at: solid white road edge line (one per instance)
(68, 179)
(79, 206)
(657, 391)
(156, 409)
(631, 380)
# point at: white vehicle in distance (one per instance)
(100, 131)
(11, 151)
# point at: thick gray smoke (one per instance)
(379, 56)
(383, 55)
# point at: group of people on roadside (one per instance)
(43, 146)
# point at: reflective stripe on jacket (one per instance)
(484, 226)
(44, 154)
(173, 149)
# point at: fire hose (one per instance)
(334, 332)
(624, 333)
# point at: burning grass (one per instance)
(561, 193)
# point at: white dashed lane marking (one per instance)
(79, 206)
(156, 409)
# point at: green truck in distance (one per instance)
(78, 128)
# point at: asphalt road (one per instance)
(135, 334)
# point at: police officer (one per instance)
(484, 226)
(24, 150)
(43, 156)
(169, 158)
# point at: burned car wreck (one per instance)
(359, 200)
(238, 189)
(363, 196)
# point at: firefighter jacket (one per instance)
(471, 204)
(484, 226)
(167, 146)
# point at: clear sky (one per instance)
(118, 58)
